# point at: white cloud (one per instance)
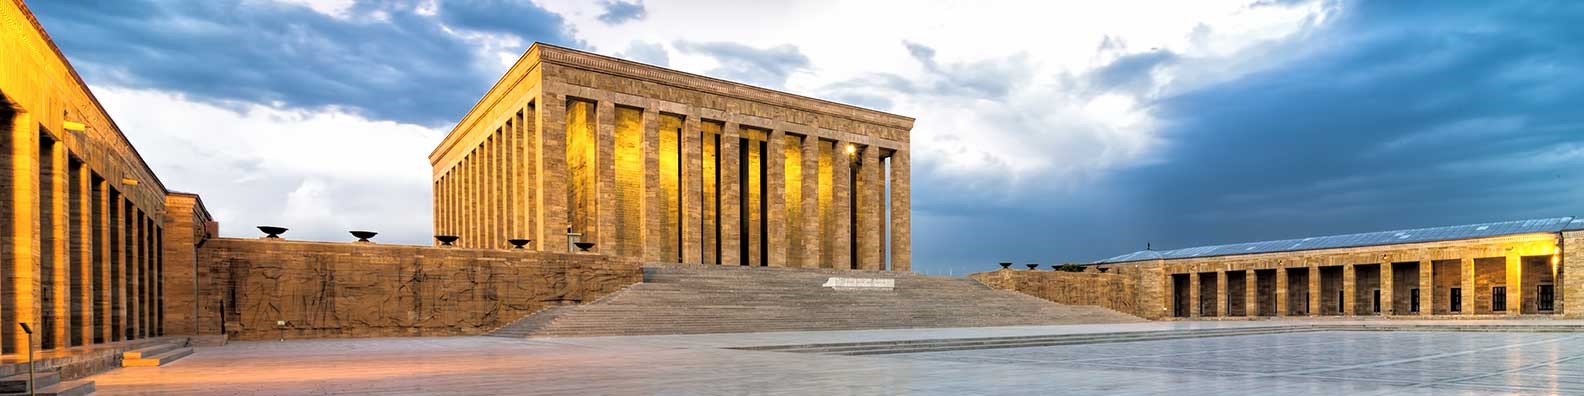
(320, 173)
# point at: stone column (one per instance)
(552, 172)
(730, 195)
(692, 187)
(135, 266)
(1349, 290)
(841, 242)
(868, 209)
(810, 225)
(1314, 291)
(529, 169)
(901, 213)
(775, 198)
(82, 251)
(1250, 293)
(102, 226)
(654, 205)
(1195, 307)
(1426, 287)
(1514, 283)
(1386, 282)
(1282, 306)
(605, 179)
(21, 268)
(1222, 309)
(1466, 272)
(60, 297)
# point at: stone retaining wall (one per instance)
(324, 290)
(1117, 290)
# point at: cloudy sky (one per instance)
(1046, 132)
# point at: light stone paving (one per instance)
(1330, 362)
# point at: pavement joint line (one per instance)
(1422, 358)
(1511, 370)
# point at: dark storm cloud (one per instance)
(383, 60)
(618, 12)
(769, 67)
(1399, 117)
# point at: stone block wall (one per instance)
(1119, 291)
(326, 290)
(1572, 275)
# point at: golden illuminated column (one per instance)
(653, 203)
(103, 261)
(60, 309)
(1466, 272)
(868, 209)
(730, 195)
(135, 268)
(1283, 308)
(82, 252)
(902, 220)
(553, 181)
(810, 215)
(529, 183)
(1349, 290)
(1514, 283)
(774, 199)
(841, 169)
(20, 270)
(492, 190)
(691, 188)
(1386, 288)
(1426, 287)
(605, 177)
(466, 202)
(1195, 306)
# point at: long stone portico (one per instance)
(1489, 270)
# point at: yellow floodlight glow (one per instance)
(73, 126)
(851, 149)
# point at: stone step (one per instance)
(934, 345)
(68, 388)
(148, 351)
(161, 359)
(19, 383)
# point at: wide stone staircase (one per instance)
(678, 299)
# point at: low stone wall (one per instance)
(326, 290)
(1114, 290)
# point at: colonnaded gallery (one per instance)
(588, 195)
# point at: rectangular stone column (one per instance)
(1514, 284)
(841, 169)
(1222, 309)
(1195, 306)
(1282, 307)
(60, 259)
(810, 226)
(1426, 287)
(552, 172)
(20, 269)
(1250, 293)
(135, 269)
(82, 252)
(868, 210)
(692, 187)
(1388, 308)
(775, 198)
(1466, 273)
(1314, 291)
(901, 213)
(102, 221)
(654, 204)
(1349, 290)
(605, 179)
(730, 195)
(528, 169)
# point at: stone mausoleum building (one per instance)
(666, 166)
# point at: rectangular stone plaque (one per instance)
(860, 283)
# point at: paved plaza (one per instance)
(1318, 362)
